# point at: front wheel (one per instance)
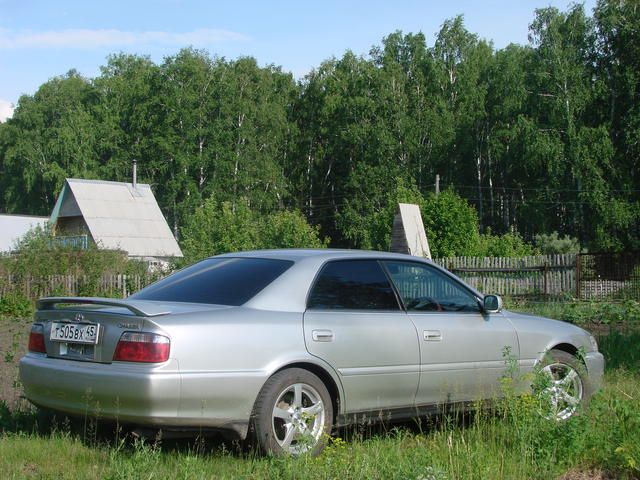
(564, 385)
(293, 414)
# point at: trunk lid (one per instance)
(88, 328)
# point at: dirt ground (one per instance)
(14, 335)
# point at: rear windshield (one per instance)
(223, 281)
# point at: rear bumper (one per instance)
(128, 393)
(148, 395)
(595, 369)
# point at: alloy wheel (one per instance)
(298, 418)
(563, 390)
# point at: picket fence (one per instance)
(547, 275)
(33, 287)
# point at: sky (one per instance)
(41, 39)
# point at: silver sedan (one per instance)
(279, 347)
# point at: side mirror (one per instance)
(492, 303)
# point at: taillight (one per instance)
(142, 347)
(36, 339)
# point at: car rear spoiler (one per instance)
(140, 309)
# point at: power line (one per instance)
(495, 189)
(530, 189)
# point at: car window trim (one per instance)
(396, 292)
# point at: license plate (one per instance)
(74, 333)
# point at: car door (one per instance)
(463, 351)
(355, 323)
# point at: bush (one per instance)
(15, 305)
(39, 266)
(38, 254)
(451, 225)
(552, 243)
(507, 245)
(219, 228)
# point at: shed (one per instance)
(14, 227)
(114, 215)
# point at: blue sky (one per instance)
(41, 39)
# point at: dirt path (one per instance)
(14, 334)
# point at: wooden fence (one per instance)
(541, 275)
(32, 287)
(588, 276)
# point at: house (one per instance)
(14, 227)
(114, 215)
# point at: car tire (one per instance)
(293, 414)
(565, 385)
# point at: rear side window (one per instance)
(352, 285)
(223, 281)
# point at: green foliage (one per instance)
(15, 305)
(507, 245)
(584, 313)
(552, 243)
(219, 228)
(451, 225)
(368, 225)
(40, 265)
(215, 229)
(621, 350)
(39, 254)
(289, 229)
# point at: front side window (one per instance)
(222, 281)
(352, 285)
(426, 289)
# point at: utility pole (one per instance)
(437, 184)
(135, 173)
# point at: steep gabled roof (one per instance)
(118, 216)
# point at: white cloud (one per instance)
(87, 39)
(6, 110)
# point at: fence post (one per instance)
(546, 279)
(578, 272)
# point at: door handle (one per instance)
(322, 335)
(432, 335)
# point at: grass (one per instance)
(624, 314)
(509, 441)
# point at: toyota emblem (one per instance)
(79, 317)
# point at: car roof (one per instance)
(322, 254)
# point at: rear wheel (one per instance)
(564, 385)
(293, 414)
